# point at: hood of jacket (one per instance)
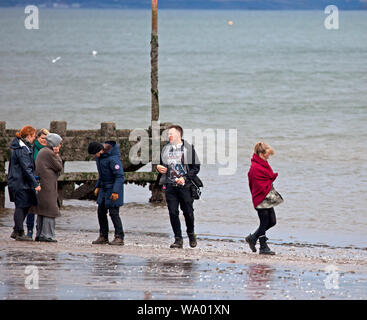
(114, 151)
(19, 143)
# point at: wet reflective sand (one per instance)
(145, 268)
(120, 276)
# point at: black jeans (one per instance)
(19, 216)
(176, 196)
(103, 221)
(267, 220)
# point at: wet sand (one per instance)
(145, 268)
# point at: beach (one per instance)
(274, 76)
(145, 268)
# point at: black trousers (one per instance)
(267, 220)
(19, 217)
(180, 196)
(103, 221)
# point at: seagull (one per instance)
(94, 52)
(55, 60)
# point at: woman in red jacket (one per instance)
(264, 196)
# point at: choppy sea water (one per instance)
(280, 77)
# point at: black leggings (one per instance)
(267, 220)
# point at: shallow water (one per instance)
(276, 76)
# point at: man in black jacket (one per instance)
(178, 167)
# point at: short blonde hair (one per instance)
(42, 131)
(261, 147)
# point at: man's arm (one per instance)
(118, 173)
(194, 167)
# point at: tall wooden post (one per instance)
(2, 162)
(157, 194)
(2, 185)
(154, 61)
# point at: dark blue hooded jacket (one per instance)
(21, 175)
(111, 176)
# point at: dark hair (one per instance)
(178, 128)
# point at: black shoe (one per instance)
(251, 240)
(264, 249)
(43, 239)
(178, 244)
(37, 239)
(13, 235)
(192, 240)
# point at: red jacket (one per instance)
(260, 178)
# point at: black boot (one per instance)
(264, 249)
(13, 235)
(251, 240)
(177, 244)
(192, 240)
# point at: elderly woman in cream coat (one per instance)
(48, 167)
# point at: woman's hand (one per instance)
(56, 150)
(114, 196)
(96, 191)
(161, 169)
(38, 189)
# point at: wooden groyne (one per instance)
(80, 185)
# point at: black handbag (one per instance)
(195, 188)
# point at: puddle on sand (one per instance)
(108, 276)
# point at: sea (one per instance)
(280, 77)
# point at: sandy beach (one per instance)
(281, 77)
(145, 268)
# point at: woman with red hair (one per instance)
(264, 196)
(22, 183)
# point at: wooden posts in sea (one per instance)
(74, 148)
(154, 61)
(154, 188)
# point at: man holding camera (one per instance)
(179, 166)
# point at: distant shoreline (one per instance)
(187, 9)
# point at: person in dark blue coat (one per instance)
(22, 183)
(109, 189)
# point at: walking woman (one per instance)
(39, 143)
(264, 196)
(22, 183)
(48, 167)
